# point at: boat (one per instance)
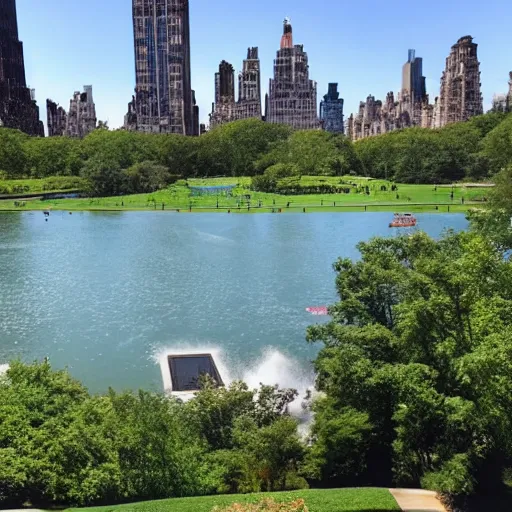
(318, 310)
(403, 220)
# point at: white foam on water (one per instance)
(273, 367)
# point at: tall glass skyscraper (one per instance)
(163, 101)
(17, 106)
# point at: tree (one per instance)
(419, 325)
(104, 177)
(13, 158)
(276, 449)
(497, 145)
(146, 177)
(52, 447)
(495, 220)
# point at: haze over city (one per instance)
(361, 46)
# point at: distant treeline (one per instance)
(473, 150)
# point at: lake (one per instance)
(106, 294)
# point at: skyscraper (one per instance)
(460, 97)
(509, 95)
(18, 109)
(331, 110)
(78, 122)
(413, 81)
(163, 101)
(249, 86)
(292, 95)
(225, 109)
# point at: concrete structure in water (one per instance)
(292, 97)
(460, 97)
(225, 109)
(163, 100)
(78, 122)
(18, 108)
(331, 111)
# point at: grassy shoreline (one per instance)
(370, 208)
(179, 197)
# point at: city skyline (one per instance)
(355, 82)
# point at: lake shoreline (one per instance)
(360, 208)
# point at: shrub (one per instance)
(147, 177)
(268, 505)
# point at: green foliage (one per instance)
(249, 147)
(339, 444)
(497, 145)
(472, 149)
(60, 445)
(147, 177)
(313, 153)
(273, 175)
(495, 220)
(420, 345)
(104, 177)
(274, 449)
(13, 158)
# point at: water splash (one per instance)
(273, 367)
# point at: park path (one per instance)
(415, 500)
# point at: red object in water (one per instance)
(405, 220)
(318, 311)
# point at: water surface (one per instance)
(103, 293)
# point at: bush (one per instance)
(270, 178)
(147, 177)
(268, 505)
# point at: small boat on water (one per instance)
(403, 220)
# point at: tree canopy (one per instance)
(416, 366)
(475, 149)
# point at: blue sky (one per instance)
(362, 44)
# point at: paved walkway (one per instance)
(413, 500)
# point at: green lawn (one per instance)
(35, 186)
(339, 500)
(415, 198)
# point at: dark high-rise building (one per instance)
(225, 83)
(163, 101)
(223, 110)
(413, 81)
(331, 111)
(56, 118)
(292, 96)
(226, 109)
(18, 108)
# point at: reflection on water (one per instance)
(104, 294)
